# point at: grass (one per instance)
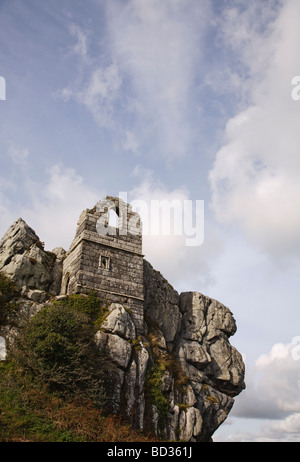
(28, 413)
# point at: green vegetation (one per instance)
(154, 391)
(23, 407)
(52, 383)
(164, 358)
(208, 397)
(8, 292)
(88, 304)
(164, 362)
(57, 347)
(29, 413)
(212, 399)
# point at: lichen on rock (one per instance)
(176, 377)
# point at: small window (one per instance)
(104, 262)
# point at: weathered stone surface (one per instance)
(209, 324)
(24, 310)
(119, 322)
(114, 391)
(37, 295)
(227, 367)
(116, 348)
(108, 260)
(219, 319)
(18, 238)
(190, 424)
(60, 255)
(194, 353)
(159, 293)
(193, 307)
(24, 260)
(129, 390)
(183, 339)
(173, 423)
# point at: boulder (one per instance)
(24, 260)
(176, 378)
(119, 322)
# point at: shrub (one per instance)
(8, 291)
(88, 304)
(154, 391)
(57, 347)
(30, 414)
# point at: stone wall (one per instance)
(171, 367)
(107, 260)
(161, 303)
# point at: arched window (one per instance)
(113, 219)
(2, 349)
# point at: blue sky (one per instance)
(172, 99)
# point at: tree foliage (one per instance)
(89, 304)
(8, 291)
(58, 348)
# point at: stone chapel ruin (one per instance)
(149, 327)
(108, 260)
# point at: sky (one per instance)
(171, 100)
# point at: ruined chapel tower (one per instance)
(108, 259)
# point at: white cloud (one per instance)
(80, 48)
(96, 86)
(186, 268)
(256, 174)
(100, 93)
(272, 385)
(56, 203)
(264, 430)
(286, 430)
(156, 45)
(279, 352)
(269, 408)
(55, 206)
(166, 253)
(290, 425)
(131, 142)
(281, 377)
(18, 154)
(143, 81)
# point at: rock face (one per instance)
(176, 378)
(23, 258)
(194, 330)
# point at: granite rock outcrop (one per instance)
(177, 377)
